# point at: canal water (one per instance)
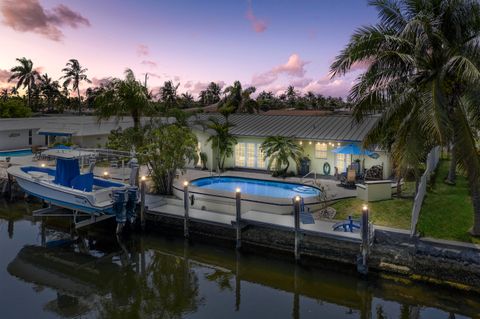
(49, 271)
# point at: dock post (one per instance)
(296, 217)
(238, 215)
(185, 206)
(142, 202)
(362, 264)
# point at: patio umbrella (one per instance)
(352, 149)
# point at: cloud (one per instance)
(4, 75)
(100, 81)
(143, 50)
(149, 63)
(258, 25)
(295, 66)
(301, 83)
(176, 78)
(337, 87)
(196, 87)
(30, 16)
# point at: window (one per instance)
(260, 161)
(249, 155)
(321, 150)
(29, 137)
(240, 154)
(340, 162)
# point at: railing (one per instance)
(309, 173)
(432, 162)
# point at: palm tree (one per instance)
(222, 141)
(4, 95)
(168, 95)
(279, 150)
(74, 75)
(211, 94)
(291, 96)
(50, 89)
(14, 91)
(25, 76)
(423, 75)
(239, 99)
(124, 97)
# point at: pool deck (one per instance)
(158, 206)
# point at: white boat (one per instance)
(65, 186)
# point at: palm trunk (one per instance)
(79, 101)
(475, 193)
(29, 93)
(452, 174)
(286, 169)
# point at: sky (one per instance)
(269, 44)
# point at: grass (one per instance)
(447, 211)
(391, 213)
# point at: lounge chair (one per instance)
(349, 179)
(348, 225)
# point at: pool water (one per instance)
(256, 187)
(24, 152)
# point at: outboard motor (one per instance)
(119, 209)
(134, 171)
(132, 203)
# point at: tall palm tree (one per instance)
(4, 95)
(124, 97)
(75, 74)
(423, 75)
(50, 89)
(279, 150)
(25, 76)
(14, 91)
(168, 95)
(239, 99)
(223, 141)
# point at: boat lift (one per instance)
(80, 219)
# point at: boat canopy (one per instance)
(66, 171)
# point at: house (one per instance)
(318, 135)
(16, 133)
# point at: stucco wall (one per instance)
(93, 141)
(16, 139)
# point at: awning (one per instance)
(352, 149)
(55, 132)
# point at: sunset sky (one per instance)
(266, 43)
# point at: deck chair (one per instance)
(351, 178)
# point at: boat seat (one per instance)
(41, 175)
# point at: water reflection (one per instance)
(94, 274)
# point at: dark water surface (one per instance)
(47, 271)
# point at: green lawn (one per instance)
(447, 211)
(391, 213)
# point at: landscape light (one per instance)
(143, 178)
(310, 143)
(238, 190)
(297, 198)
(105, 173)
(185, 183)
(42, 165)
(364, 207)
(300, 143)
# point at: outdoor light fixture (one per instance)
(238, 190)
(300, 143)
(364, 207)
(338, 144)
(105, 173)
(310, 143)
(185, 183)
(143, 178)
(297, 198)
(42, 165)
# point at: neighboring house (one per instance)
(85, 131)
(318, 135)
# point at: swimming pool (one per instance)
(15, 153)
(256, 187)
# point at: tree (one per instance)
(279, 150)
(124, 97)
(4, 95)
(267, 101)
(211, 94)
(423, 75)
(239, 99)
(223, 141)
(291, 96)
(186, 101)
(166, 149)
(25, 76)
(49, 89)
(14, 107)
(74, 75)
(168, 95)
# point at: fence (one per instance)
(432, 162)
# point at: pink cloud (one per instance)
(338, 87)
(4, 75)
(30, 16)
(196, 87)
(176, 78)
(295, 66)
(258, 25)
(149, 63)
(301, 83)
(143, 50)
(100, 81)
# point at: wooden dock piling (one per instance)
(142, 203)
(186, 207)
(296, 216)
(238, 219)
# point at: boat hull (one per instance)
(63, 197)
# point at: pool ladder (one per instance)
(309, 173)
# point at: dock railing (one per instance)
(432, 162)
